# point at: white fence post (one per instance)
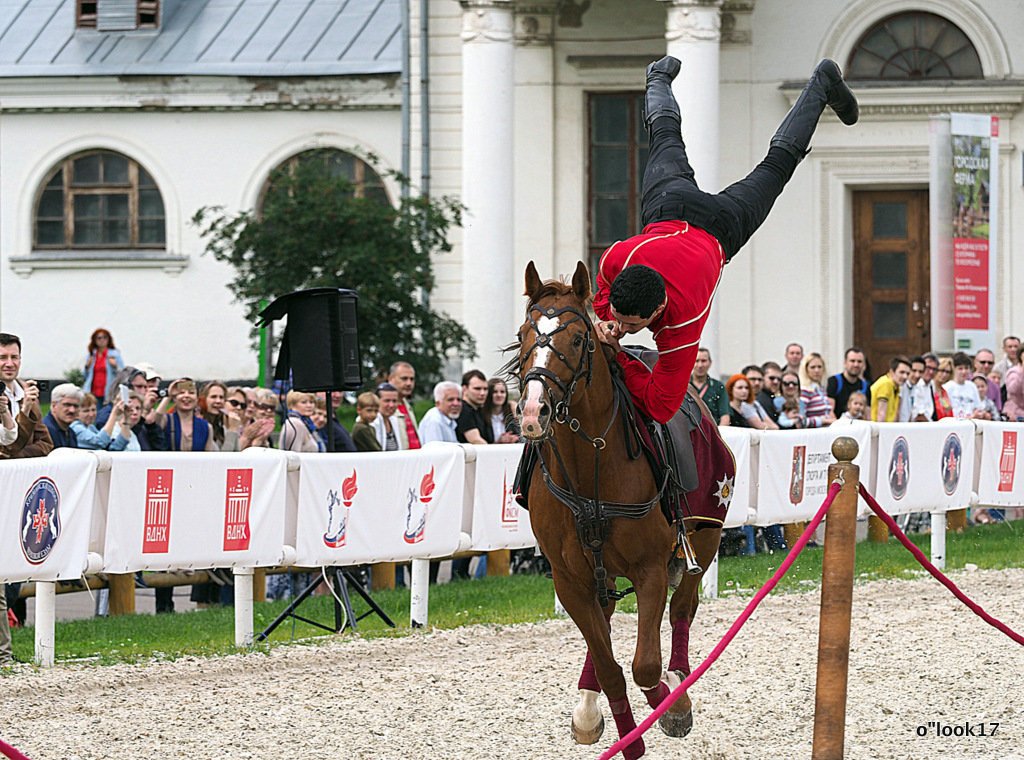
(243, 606)
(709, 583)
(419, 588)
(939, 540)
(46, 608)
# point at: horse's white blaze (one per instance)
(533, 393)
(587, 713)
(545, 326)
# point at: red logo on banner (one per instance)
(157, 533)
(796, 480)
(236, 510)
(348, 489)
(1008, 460)
(427, 487)
(509, 507)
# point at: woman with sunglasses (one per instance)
(790, 387)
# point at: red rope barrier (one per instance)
(766, 589)
(936, 573)
(11, 752)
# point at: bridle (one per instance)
(584, 368)
(592, 516)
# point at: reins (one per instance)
(592, 515)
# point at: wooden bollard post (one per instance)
(382, 575)
(499, 562)
(836, 604)
(878, 531)
(122, 593)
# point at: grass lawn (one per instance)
(504, 600)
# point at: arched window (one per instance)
(99, 200)
(365, 182)
(914, 46)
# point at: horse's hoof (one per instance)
(676, 724)
(588, 737)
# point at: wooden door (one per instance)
(891, 275)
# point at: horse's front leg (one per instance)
(679, 719)
(581, 603)
(587, 720)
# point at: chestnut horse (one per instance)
(589, 462)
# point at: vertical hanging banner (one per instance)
(1000, 469)
(974, 140)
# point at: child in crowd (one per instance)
(363, 435)
(987, 404)
(789, 416)
(856, 404)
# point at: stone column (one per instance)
(693, 35)
(488, 286)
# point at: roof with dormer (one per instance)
(271, 38)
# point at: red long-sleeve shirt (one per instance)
(690, 262)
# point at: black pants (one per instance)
(670, 192)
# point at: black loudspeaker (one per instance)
(320, 345)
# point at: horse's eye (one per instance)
(577, 341)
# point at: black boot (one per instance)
(659, 100)
(825, 87)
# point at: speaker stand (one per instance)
(341, 578)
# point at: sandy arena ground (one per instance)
(918, 657)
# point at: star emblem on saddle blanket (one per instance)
(724, 492)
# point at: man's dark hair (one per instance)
(7, 339)
(960, 359)
(637, 291)
(751, 367)
(916, 360)
(470, 375)
(770, 365)
(896, 361)
(854, 350)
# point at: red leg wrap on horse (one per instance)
(657, 695)
(680, 659)
(624, 723)
(588, 678)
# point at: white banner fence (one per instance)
(81, 512)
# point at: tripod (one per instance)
(340, 578)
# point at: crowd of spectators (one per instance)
(800, 393)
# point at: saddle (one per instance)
(671, 441)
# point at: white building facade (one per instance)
(533, 122)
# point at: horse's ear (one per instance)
(533, 281)
(581, 282)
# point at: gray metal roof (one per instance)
(207, 37)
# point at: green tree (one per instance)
(316, 227)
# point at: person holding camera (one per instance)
(32, 440)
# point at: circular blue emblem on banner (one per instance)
(40, 521)
(952, 453)
(899, 468)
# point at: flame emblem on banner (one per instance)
(348, 489)
(427, 487)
